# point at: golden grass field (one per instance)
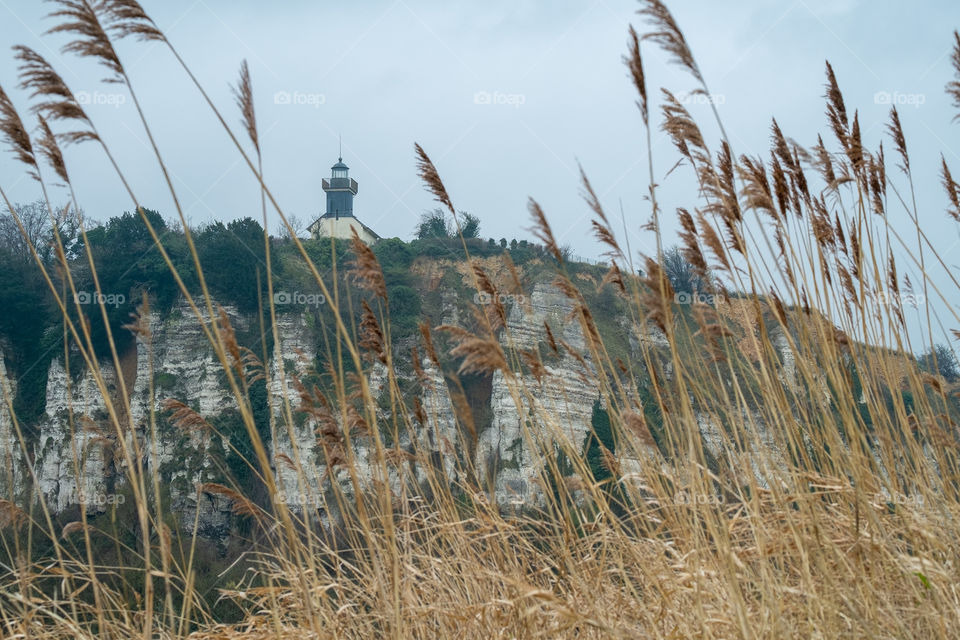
(828, 526)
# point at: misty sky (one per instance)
(507, 96)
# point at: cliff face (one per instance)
(11, 466)
(79, 457)
(567, 394)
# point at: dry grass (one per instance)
(779, 527)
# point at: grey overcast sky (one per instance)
(507, 96)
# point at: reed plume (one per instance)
(240, 504)
(668, 36)
(952, 188)
(836, 109)
(431, 177)
(78, 18)
(56, 100)
(243, 95)
(953, 87)
(125, 18)
(48, 148)
(542, 231)
(184, 417)
(11, 515)
(635, 65)
(371, 336)
(691, 246)
(823, 163)
(756, 191)
(899, 141)
(480, 355)
(366, 271)
(16, 136)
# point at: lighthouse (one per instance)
(338, 219)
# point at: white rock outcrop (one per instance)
(11, 465)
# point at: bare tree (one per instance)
(38, 231)
(295, 223)
(35, 221)
(681, 274)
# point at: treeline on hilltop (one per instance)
(128, 266)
